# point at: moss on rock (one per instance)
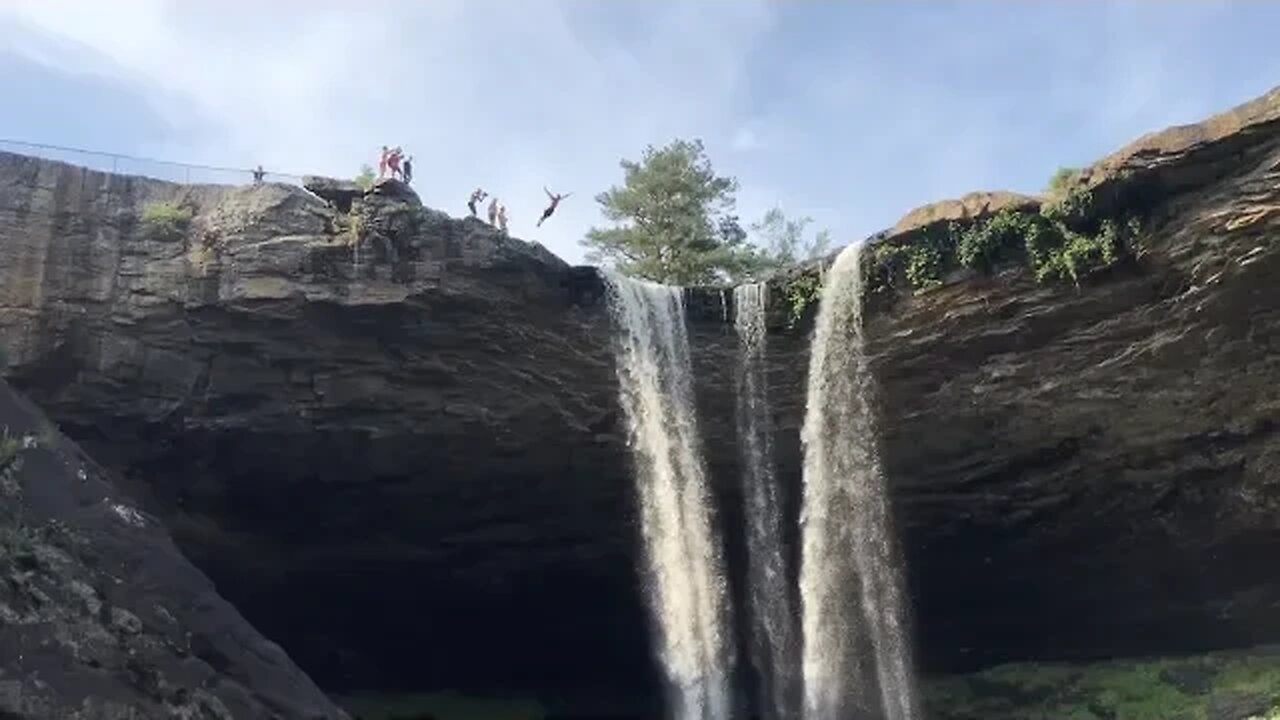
(1222, 686)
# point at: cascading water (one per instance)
(775, 650)
(855, 657)
(684, 563)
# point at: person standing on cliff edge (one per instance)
(382, 162)
(502, 218)
(555, 203)
(476, 197)
(493, 211)
(393, 163)
(408, 170)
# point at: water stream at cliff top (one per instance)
(856, 660)
(683, 560)
(775, 649)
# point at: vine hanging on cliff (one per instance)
(1064, 241)
(803, 291)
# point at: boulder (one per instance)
(101, 616)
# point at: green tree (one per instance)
(781, 240)
(365, 179)
(673, 220)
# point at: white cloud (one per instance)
(819, 108)
(507, 95)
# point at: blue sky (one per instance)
(849, 112)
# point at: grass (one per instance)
(1156, 689)
(166, 220)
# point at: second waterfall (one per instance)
(775, 648)
(856, 657)
(684, 562)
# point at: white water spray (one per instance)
(775, 650)
(856, 658)
(687, 588)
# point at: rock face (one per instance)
(392, 437)
(101, 617)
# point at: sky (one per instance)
(851, 113)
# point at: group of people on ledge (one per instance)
(393, 161)
(498, 211)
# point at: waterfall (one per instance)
(684, 565)
(774, 647)
(855, 654)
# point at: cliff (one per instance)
(101, 617)
(392, 439)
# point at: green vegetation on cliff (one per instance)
(364, 180)
(166, 220)
(1062, 180)
(1066, 240)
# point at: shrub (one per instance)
(1073, 209)
(1062, 180)
(983, 245)
(1064, 241)
(800, 293)
(166, 220)
(365, 179)
(924, 267)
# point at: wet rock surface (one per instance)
(102, 618)
(392, 437)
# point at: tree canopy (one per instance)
(673, 222)
(365, 179)
(781, 240)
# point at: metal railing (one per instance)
(122, 164)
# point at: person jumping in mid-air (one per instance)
(493, 211)
(555, 202)
(502, 218)
(476, 197)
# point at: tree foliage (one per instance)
(1062, 181)
(365, 179)
(781, 240)
(673, 220)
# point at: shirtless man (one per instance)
(476, 197)
(493, 211)
(555, 202)
(393, 163)
(382, 162)
(502, 218)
